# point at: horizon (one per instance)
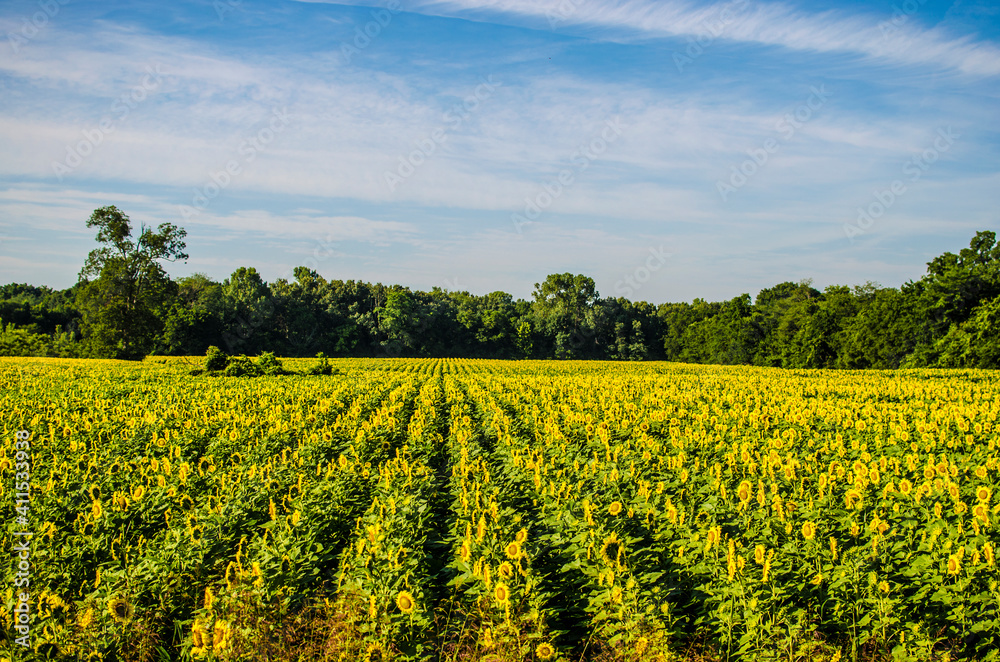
(478, 145)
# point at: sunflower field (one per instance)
(476, 510)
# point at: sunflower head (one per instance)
(545, 651)
(199, 636)
(120, 609)
(808, 530)
(611, 549)
(405, 602)
(501, 592)
(513, 550)
(744, 491)
(615, 508)
(220, 635)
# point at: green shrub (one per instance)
(269, 364)
(322, 367)
(242, 366)
(215, 359)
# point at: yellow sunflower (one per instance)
(405, 602)
(545, 651)
(611, 549)
(220, 635)
(120, 609)
(809, 530)
(615, 508)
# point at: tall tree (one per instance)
(563, 308)
(124, 288)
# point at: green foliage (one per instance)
(123, 286)
(215, 359)
(242, 366)
(268, 364)
(125, 306)
(322, 366)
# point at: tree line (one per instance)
(125, 306)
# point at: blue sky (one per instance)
(670, 150)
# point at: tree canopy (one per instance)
(125, 305)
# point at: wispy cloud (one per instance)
(769, 24)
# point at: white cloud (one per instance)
(770, 24)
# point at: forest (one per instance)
(125, 306)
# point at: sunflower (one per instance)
(465, 551)
(545, 651)
(954, 564)
(905, 487)
(615, 508)
(611, 549)
(641, 644)
(220, 635)
(199, 638)
(501, 592)
(375, 653)
(883, 586)
(405, 602)
(983, 494)
(744, 492)
(120, 609)
(513, 550)
(86, 618)
(506, 570)
(809, 530)
(758, 554)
